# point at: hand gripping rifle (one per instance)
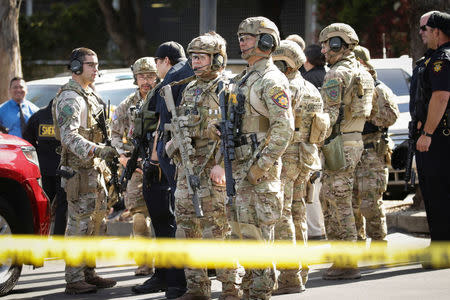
(193, 181)
(227, 145)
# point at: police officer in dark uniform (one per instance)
(172, 65)
(433, 122)
(40, 132)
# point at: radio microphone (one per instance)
(245, 50)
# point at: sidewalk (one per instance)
(400, 215)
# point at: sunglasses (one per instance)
(423, 27)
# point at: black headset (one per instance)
(76, 65)
(281, 65)
(218, 61)
(336, 43)
(265, 42)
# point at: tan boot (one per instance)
(282, 290)
(101, 283)
(143, 271)
(80, 287)
(228, 297)
(334, 273)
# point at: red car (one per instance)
(24, 206)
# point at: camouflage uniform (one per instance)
(268, 115)
(300, 158)
(74, 108)
(371, 174)
(199, 108)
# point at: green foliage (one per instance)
(371, 19)
(53, 34)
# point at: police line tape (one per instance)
(33, 250)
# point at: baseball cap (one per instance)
(441, 21)
(172, 50)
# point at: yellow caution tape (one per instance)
(211, 253)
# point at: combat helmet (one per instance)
(211, 43)
(143, 65)
(291, 53)
(344, 31)
(258, 26)
(363, 54)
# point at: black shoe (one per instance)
(175, 292)
(152, 285)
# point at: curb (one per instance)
(404, 218)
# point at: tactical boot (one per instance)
(188, 296)
(289, 290)
(143, 271)
(80, 287)
(334, 273)
(101, 283)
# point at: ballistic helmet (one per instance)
(291, 53)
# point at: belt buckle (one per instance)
(446, 131)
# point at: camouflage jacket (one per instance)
(75, 108)
(268, 109)
(348, 83)
(123, 123)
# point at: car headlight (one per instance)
(30, 154)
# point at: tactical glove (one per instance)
(255, 174)
(107, 153)
(213, 132)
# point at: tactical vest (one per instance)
(199, 107)
(357, 97)
(146, 120)
(92, 132)
(306, 103)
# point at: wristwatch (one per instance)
(426, 133)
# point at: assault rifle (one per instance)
(114, 164)
(227, 145)
(410, 175)
(193, 181)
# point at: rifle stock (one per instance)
(193, 181)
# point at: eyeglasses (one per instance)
(199, 56)
(245, 38)
(146, 77)
(91, 64)
(423, 27)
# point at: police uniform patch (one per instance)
(437, 66)
(332, 89)
(280, 98)
(46, 130)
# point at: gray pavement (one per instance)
(396, 281)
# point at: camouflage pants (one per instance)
(371, 176)
(292, 225)
(134, 202)
(86, 201)
(213, 225)
(254, 214)
(336, 195)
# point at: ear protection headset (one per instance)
(281, 65)
(265, 42)
(217, 61)
(76, 65)
(336, 43)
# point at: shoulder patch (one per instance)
(427, 61)
(332, 88)
(437, 66)
(280, 97)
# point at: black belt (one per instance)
(444, 131)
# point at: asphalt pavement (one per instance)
(396, 281)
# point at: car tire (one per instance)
(9, 273)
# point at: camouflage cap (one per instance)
(291, 53)
(344, 31)
(211, 43)
(259, 25)
(362, 53)
(144, 65)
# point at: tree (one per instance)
(125, 27)
(10, 64)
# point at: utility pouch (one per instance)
(319, 127)
(72, 188)
(334, 154)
